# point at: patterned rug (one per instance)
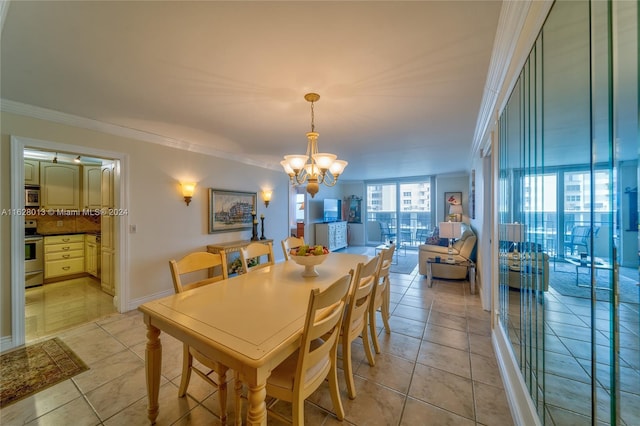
(33, 368)
(562, 278)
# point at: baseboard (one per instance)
(6, 343)
(522, 408)
(134, 303)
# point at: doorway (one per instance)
(120, 268)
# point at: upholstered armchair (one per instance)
(463, 249)
(528, 268)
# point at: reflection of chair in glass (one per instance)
(580, 236)
(289, 243)
(316, 360)
(381, 296)
(421, 235)
(385, 232)
(256, 251)
(194, 263)
(355, 318)
(406, 237)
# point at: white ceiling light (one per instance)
(322, 168)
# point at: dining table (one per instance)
(250, 322)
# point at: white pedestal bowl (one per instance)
(309, 262)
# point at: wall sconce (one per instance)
(187, 191)
(266, 196)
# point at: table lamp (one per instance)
(454, 211)
(515, 232)
(450, 230)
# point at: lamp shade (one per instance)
(515, 232)
(188, 189)
(450, 229)
(455, 209)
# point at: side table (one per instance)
(471, 270)
(233, 247)
(385, 247)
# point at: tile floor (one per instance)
(565, 353)
(58, 306)
(437, 364)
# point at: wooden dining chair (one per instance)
(289, 243)
(380, 299)
(215, 267)
(316, 359)
(355, 319)
(262, 253)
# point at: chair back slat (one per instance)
(360, 295)
(289, 243)
(215, 264)
(324, 316)
(259, 251)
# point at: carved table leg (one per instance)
(257, 410)
(153, 361)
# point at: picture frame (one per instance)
(451, 198)
(472, 194)
(231, 210)
(353, 207)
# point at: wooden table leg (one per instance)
(153, 364)
(429, 274)
(257, 410)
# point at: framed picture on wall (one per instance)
(353, 209)
(472, 195)
(449, 199)
(230, 210)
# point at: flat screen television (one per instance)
(331, 211)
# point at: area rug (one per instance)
(406, 263)
(33, 368)
(562, 278)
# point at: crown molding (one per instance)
(32, 111)
(519, 24)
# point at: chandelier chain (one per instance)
(313, 127)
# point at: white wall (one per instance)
(166, 227)
(451, 183)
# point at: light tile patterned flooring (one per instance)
(437, 367)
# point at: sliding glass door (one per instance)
(398, 211)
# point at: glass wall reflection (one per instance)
(569, 273)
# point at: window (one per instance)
(407, 215)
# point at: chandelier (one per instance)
(322, 168)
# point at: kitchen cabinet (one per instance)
(107, 282)
(107, 226)
(332, 235)
(106, 186)
(91, 185)
(92, 255)
(63, 255)
(31, 172)
(59, 186)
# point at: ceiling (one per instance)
(400, 82)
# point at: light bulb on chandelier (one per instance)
(323, 168)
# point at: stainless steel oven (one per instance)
(33, 255)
